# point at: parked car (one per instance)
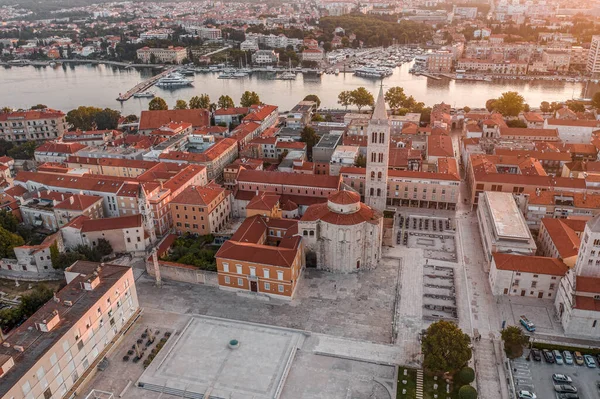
(529, 326)
(589, 361)
(558, 357)
(568, 357)
(568, 396)
(565, 388)
(537, 355)
(578, 358)
(548, 356)
(526, 395)
(561, 378)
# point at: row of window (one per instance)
(240, 283)
(239, 270)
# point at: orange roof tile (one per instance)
(530, 264)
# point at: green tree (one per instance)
(425, 115)
(445, 347)
(54, 255)
(39, 106)
(345, 99)
(395, 97)
(8, 221)
(249, 98)
(576, 106)
(360, 161)
(104, 247)
(467, 392)
(181, 104)
(490, 104)
(514, 340)
(510, 103)
(6, 110)
(90, 118)
(31, 302)
(545, 107)
(157, 104)
(23, 151)
(313, 97)
(66, 259)
(465, 376)
(107, 119)
(225, 102)
(201, 101)
(361, 98)
(309, 136)
(8, 241)
(467, 109)
(596, 100)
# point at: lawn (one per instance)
(411, 383)
(194, 251)
(429, 391)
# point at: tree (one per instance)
(107, 119)
(360, 161)
(514, 339)
(467, 109)
(361, 98)
(467, 392)
(249, 98)
(445, 347)
(157, 104)
(104, 247)
(181, 104)
(31, 302)
(8, 221)
(23, 151)
(309, 136)
(225, 102)
(201, 101)
(510, 103)
(576, 106)
(6, 110)
(425, 115)
(313, 97)
(90, 118)
(395, 98)
(516, 123)
(345, 99)
(596, 100)
(545, 107)
(39, 106)
(8, 241)
(490, 104)
(66, 259)
(465, 376)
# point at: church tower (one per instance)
(378, 150)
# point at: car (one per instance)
(558, 357)
(537, 355)
(526, 395)
(568, 396)
(565, 388)
(589, 361)
(529, 326)
(568, 357)
(548, 356)
(578, 358)
(561, 379)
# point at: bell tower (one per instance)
(378, 151)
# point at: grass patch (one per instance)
(429, 391)
(411, 383)
(584, 350)
(194, 251)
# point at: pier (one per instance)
(144, 85)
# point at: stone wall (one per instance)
(183, 273)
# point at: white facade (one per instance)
(378, 156)
(593, 61)
(265, 57)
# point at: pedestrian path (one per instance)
(419, 384)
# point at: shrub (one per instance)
(465, 376)
(467, 392)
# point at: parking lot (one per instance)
(536, 376)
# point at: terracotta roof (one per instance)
(264, 200)
(580, 200)
(564, 238)
(541, 155)
(344, 197)
(122, 222)
(100, 183)
(77, 223)
(60, 148)
(322, 212)
(260, 112)
(16, 191)
(232, 111)
(289, 179)
(207, 130)
(586, 303)
(525, 132)
(198, 195)
(31, 115)
(439, 146)
(4, 159)
(78, 202)
(530, 264)
(567, 122)
(292, 145)
(155, 119)
(587, 284)
(399, 157)
(533, 117)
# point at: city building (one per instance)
(312, 54)
(32, 125)
(593, 60)
(531, 276)
(262, 57)
(556, 60)
(342, 235)
(573, 131)
(378, 152)
(36, 260)
(48, 355)
(440, 61)
(54, 151)
(561, 238)
(92, 137)
(264, 256)
(201, 210)
(77, 205)
(502, 227)
(169, 55)
(153, 120)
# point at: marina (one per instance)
(145, 85)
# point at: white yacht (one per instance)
(373, 71)
(145, 94)
(174, 80)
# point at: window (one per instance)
(238, 269)
(279, 275)
(594, 323)
(252, 271)
(280, 288)
(267, 287)
(552, 286)
(533, 284)
(227, 280)
(226, 267)
(240, 282)
(266, 273)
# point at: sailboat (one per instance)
(288, 75)
(240, 73)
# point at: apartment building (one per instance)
(264, 256)
(530, 276)
(263, 57)
(559, 204)
(36, 260)
(440, 61)
(561, 238)
(77, 205)
(201, 210)
(32, 125)
(47, 356)
(54, 151)
(312, 54)
(593, 60)
(92, 137)
(153, 120)
(556, 60)
(170, 55)
(504, 67)
(130, 168)
(573, 131)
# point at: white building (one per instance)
(265, 57)
(343, 156)
(532, 276)
(378, 150)
(593, 61)
(344, 233)
(312, 54)
(573, 131)
(502, 227)
(162, 34)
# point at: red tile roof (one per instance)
(197, 195)
(289, 179)
(525, 132)
(78, 202)
(565, 239)
(264, 200)
(155, 119)
(530, 264)
(579, 123)
(122, 222)
(587, 284)
(322, 212)
(60, 148)
(232, 111)
(32, 115)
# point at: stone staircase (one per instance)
(419, 384)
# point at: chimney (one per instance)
(71, 199)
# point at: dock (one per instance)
(144, 85)
(429, 75)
